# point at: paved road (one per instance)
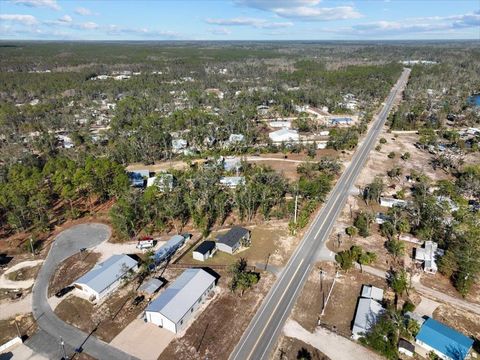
(47, 340)
(265, 327)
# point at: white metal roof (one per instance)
(106, 273)
(179, 297)
(372, 292)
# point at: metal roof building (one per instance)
(151, 286)
(368, 310)
(173, 308)
(232, 240)
(444, 341)
(105, 276)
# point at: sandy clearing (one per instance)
(145, 341)
(107, 249)
(426, 307)
(9, 284)
(333, 345)
(11, 308)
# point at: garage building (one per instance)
(176, 305)
(106, 276)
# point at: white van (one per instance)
(145, 244)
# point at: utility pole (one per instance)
(62, 344)
(31, 246)
(266, 264)
(321, 279)
(296, 208)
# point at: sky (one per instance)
(239, 19)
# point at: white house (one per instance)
(163, 181)
(232, 181)
(106, 276)
(428, 255)
(368, 310)
(391, 202)
(280, 124)
(178, 145)
(284, 135)
(236, 138)
(204, 251)
(176, 305)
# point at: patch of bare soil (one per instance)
(444, 285)
(463, 321)
(291, 348)
(106, 320)
(71, 269)
(24, 274)
(219, 327)
(8, 330)
(308, 306)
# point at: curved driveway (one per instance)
(47, 340)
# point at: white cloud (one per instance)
(436, 24)
(19, 19)
(244, 21)
(306, 10)
(52, 4)
(276, 4)
(90, 25)
(83, 11)
(65, 19)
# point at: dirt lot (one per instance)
(71, 269)
(271, 238)
(24, 274)
(113, 314)
(292, 349)
(26, 325)
(441, 283)
(463, 321)
(219, 327)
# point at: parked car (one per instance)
(138, 300)
(64, 291)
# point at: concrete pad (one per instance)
(426, 307)
(21, 352)
(143, 340)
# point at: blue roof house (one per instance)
(106, 276)
(174, 307)
(444, 341)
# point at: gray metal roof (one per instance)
(233, 236)
(367, 313)
(151, 286)
(106, 273)
(179, 297)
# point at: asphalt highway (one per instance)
(263, 331)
